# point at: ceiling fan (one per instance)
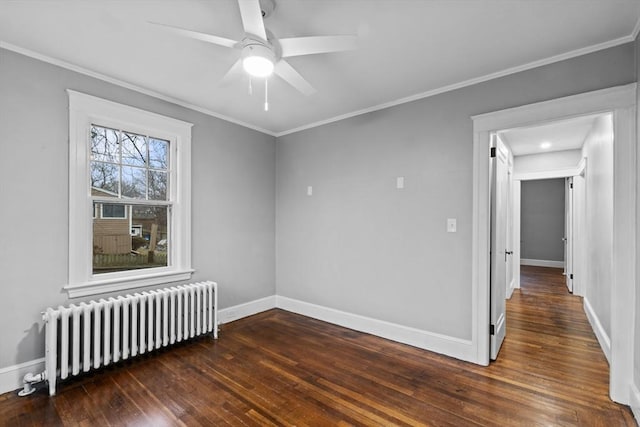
(262, 54)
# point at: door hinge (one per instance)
(492, 330)
(571, 185)
(493, 152)
(571, 276)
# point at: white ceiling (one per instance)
(408, 48)
(560, 135)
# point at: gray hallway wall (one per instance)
(542, 219)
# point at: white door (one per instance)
(509, 246)
(499, 257)
(568, 233)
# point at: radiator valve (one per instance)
(27, 383)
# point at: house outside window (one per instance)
(129, 197)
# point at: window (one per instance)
(113, 211)
(129, 197)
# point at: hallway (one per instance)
(551, 350)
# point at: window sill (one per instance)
(103, 286)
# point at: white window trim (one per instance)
(85, 110)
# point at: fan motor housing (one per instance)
(267, 7)
(256, 48)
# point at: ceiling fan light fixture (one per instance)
(257, 66)
(258, 60)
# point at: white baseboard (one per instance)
(601, 335)
(542, 263)
(443, 344)
(634, 401)
(247, 309)
(512, 286)
(11, 376)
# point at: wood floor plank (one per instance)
(282, 369)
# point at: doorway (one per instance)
(620, 101)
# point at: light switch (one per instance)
(309, 191)
(451, 225)
(400, 182)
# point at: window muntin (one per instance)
(129, 165)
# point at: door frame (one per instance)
(621, 101)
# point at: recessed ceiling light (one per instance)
(545, 145)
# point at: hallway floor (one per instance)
(551, 351)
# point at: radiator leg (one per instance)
(52, 385)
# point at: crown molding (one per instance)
(81, 70)
(470, 82)
(635, 31)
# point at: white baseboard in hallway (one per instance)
(542, 263)
(634, 402)
(598, 329)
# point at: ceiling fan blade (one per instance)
(221, 41)
(252, 18)
(297, 46)
(291, 76)
(232, 74)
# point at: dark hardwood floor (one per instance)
(278, 368)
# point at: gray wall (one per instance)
(636, 356)
(360, 245)
(598, 149)
(233, 175)
(542, 219)
(357, 244)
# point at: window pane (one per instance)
(104, 144)
(113, 211)
(104, 179)
(134, 182)
(134, 149)
(158, 153)
(123, 244)
(157, 185)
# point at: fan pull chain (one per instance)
(266, 94)
(250, 86)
